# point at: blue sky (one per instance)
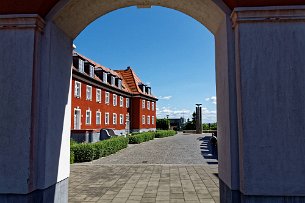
(171, 51)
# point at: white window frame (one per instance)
(127, 117)
(148, 105)
(107, 97)
(112, 80)
(152, 120)
(115, 98)
(81, 65)
(107, 117)
(80, 119)
(143, 104)
(98, 121)
(91, 71)
(148, 120)
(143, 119)
(121, 119)
(121, 101)
(105, 77)
(98, 95)
(153, 106)
(80, 89)
(127, 102)
(120, 84)
(89, 96)
(90, 117)
(114, 119)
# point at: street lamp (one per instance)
(169, 125)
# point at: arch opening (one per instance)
(71, 17)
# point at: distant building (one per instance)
(176, 123)
(106, 99)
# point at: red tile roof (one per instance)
(97, 65)
(130, 80)
(133, 81)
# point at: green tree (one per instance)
(163, 124)
(209, 126)
(191, 125)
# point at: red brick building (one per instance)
(106, 99)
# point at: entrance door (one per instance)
(77, 117)
(127, 127)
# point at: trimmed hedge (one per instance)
(141, 137)
(83, 152)
(111, 146)
(71, 157)
(165, 133)
(86, 152)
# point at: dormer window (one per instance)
(143, 89)
(91, 71)
(105, 75)
(112, 80)
(81, 66)
(149, 90)
(120, 84)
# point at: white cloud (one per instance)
(212, 99)
(173, 113)
(165, 97)
(208, 116)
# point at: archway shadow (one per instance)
(208, 150)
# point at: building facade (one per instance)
(106, 99)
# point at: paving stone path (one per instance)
(174, 169)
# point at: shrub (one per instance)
(141, 137)
(71, 157)
(92, 151)
(165, 133)
(72, 142)
(107, 147)
(83, 152)
(209, 126)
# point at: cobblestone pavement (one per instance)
(179, 149)
(179, 169)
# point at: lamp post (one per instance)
(198, 119)
(169, 125)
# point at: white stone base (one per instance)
(143, 130)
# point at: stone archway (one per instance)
(260, 80)
(216, 17)
(83, 13)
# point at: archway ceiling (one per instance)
(42, 7)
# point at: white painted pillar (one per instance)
(35, 110)
(270, 78)
(227, 128)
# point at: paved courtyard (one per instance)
(174, 169)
